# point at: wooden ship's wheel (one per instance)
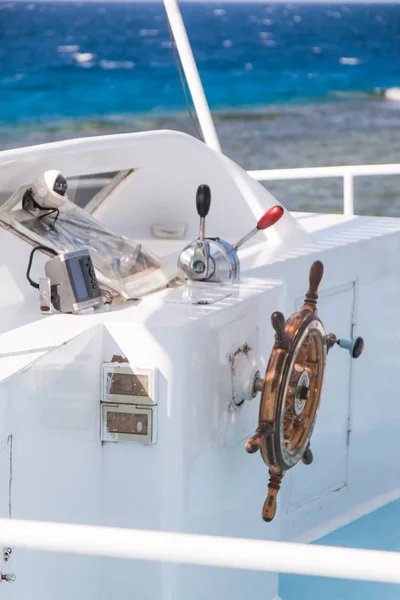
(291, 389)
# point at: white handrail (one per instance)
(192, 75)
(347, 172)
(282, 557)
(324, 172)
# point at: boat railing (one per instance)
(210, 136)
(346, 172)
(184, 548)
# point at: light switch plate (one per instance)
(128, 423)
(124, 383)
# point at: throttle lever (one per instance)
(201, 256)
(214, 259)
(203, 203)
(268, 219)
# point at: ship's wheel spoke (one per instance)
(303, 352)
(312, 369)
(302, 421)
(288, 423)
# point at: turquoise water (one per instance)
(379, 530)
(84, 60)
(290, 85)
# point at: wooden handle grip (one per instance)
(316, 274)
(270, 504)
(253, 444)
(281, 337)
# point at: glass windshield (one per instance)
(82, 189)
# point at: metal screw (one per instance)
(9, 577)
(7, 553)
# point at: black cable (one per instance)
(50, 212)
(183, 83)
(28, 271)
(28, 198)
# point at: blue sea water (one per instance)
(78, 60)
(290, 85)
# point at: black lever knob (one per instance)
(203, 200)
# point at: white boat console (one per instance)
(136, 413)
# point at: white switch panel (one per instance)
(128, 423)
(122, 382)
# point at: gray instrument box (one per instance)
(74, 285)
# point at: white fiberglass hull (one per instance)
(195, 476)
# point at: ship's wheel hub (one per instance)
(302, 393)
